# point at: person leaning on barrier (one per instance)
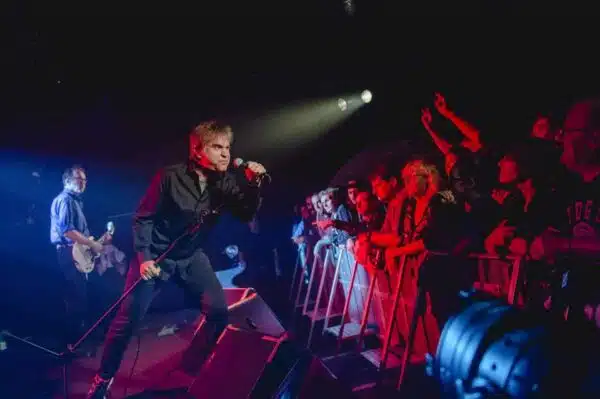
(370, 218)
(573, 239)
(430, 220)
(329, 203)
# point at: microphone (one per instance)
(240, 163)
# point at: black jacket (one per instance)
(175, 202)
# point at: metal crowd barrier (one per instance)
(300, 270)
(348, 328)
(383, 358)
(318, 313)
(515, 273)
(297, 273)
(515, 279)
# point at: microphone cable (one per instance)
(135, 360)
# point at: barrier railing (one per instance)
(514, 274)
(349, 328)
(419, 301)
(318, 313)
(300, 272)
(342, 255)
(384, 358)
(317, 264)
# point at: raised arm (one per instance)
(439, 142)
(472, 139)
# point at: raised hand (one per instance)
(499, 237)
(426, 118)
(440, 104)
(499, 195)
(541, 128)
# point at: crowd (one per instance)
(538, 200)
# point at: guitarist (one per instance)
(68, 225)
(177, 198)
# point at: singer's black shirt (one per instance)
(176, 201)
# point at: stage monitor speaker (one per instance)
(234, 295)
(319, 382)
(251, 313)
(239, 361)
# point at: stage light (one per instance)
(342, 104)
(366, 96)
(231, 251)
(349, 7)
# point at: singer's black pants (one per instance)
(196, 276)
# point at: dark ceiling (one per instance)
(153, 78)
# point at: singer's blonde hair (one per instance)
(205, 132)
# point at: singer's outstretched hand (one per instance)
(149, 270)
(254, 169)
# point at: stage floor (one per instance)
(155, 364)
(34, 375)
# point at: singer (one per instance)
(173, 203)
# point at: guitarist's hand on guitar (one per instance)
(97, 247)
(149, 270)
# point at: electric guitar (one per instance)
(84, 257)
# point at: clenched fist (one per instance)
(253, 170)
(149, 270)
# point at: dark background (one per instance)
(119, 96)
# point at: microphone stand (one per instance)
(66, 356)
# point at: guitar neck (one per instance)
(103, 238)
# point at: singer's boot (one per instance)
(99, 388)
(200, 348)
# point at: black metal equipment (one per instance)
(492, 349)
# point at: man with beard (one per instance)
(573, 240)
